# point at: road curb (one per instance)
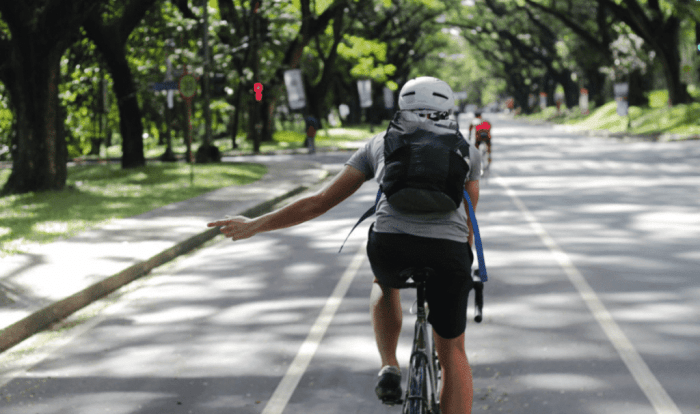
(41, 319)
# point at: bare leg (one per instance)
(457, 387)
(385, 309)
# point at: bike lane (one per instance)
(545, 345)
(218, 331)
(617, 220)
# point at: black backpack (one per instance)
(425, 169)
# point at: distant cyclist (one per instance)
(397, 240)
(483, 132)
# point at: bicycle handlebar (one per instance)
(478, 296)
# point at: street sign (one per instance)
(165, 86)
(295, 89)
(621, 94)
(344, 110)
(388, 98)
(188, 85)
(583, 101)
(364, 88)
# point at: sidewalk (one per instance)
(53, 280)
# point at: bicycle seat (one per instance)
(418, 274)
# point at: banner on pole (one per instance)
(364, 88)
(388, 98)
(583, 101)
(621, 95)
(295, 89)
(543, 100)
(344, 110)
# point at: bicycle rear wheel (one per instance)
(483, 152)
(437, 370)
(416, 401)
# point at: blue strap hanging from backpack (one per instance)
(477, 240)
(472, 218)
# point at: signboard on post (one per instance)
(583, 101)
(388, 98)
(621, 95)
(344, 110)
(295, 89)
(188, 89)
(543, 100)
(364, 88)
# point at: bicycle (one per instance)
(485, 164)
(422, 394)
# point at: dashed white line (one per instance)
(652, 388)
(296, 370)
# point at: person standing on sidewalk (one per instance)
(398, 240)
(312, 126)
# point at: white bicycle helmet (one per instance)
(427, 95)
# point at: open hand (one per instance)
(237, 228)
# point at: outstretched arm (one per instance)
(343, 186)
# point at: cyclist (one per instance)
(482, 132)
(397, 241)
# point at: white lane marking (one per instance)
(655, 392)
(291, 379)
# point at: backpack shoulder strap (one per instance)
(368, 213)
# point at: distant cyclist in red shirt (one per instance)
(483, 132)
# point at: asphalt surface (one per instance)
(47, 282)
(592, 304)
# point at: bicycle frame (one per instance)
(422, 393)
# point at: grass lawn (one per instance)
(100, 192)
(339, 138)
(656, 119)
(97, 193)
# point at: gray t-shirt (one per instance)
(452, 226)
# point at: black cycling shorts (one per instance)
(447, 292)
(479, 141)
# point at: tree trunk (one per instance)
(253, 121)
(571, 90)
(637, 88)
(236, 115)
(130, 124)
(39, 162)
(266, 110)
(595, 82)
(668, 41)
(30, 69)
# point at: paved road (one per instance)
(592, 306)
